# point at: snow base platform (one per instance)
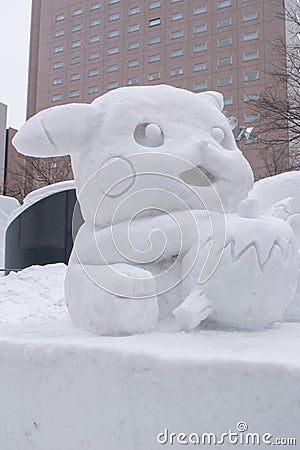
(65, 389)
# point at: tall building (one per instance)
(81, 49)
(3, 115)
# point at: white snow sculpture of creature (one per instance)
(153, 158)
(279, 196)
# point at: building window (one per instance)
(113, 50)
(154, 76)
(200, 86)
(154, 22)
(134, 10)
(59, 33)
(133, 45)
(251, 76)
(176, 16)
(251, 117)
(57, 97)
(115, 16)
(250, 56)
(154, 40)
(250, 36)
(74, 93)
(59, 17)
(94, 22)
(176, 71)
(113, 68)
(253, 96)
(57, 65)
(200, 28)
(225, 61)
(133, 80)
(224, 81)
(75, 60)
(93, 39)
(112, 85)
(133, 63)
(199, 66)
(93, 72)
(176, 34)
(113, 33)
(76, 44)
(75, 76)
(94, 55)
(250, 16)
(95, 6)
(224, 3)
(58, 49)
(53, 165)
(133, 28)
(154, 5)
(77, 12)
(153, 58)
(57, 81)
(224, 42)
(93, 89)
(224, 22)
(200, 47)
(200, 10)
(76, 27)
(177, 52)
(228, 101)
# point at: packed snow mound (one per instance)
(33, 294)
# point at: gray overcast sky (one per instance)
(14, 51)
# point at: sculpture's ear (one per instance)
(215, 97)
(58, 131)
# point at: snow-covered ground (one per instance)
(63, 388)
(34, 294)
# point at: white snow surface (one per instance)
(63, 388)
(66, 389)
(33, 294)
(271, 190)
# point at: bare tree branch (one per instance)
(278, 106)
(32, 173)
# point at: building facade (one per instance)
(3, 116)
(81, 49)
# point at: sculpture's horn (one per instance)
(58, 131)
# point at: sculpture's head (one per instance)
(134, 120)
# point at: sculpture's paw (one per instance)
(124, 308)
(195, 308)
(257, 276)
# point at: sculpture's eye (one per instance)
(149, 135)
(218, 134)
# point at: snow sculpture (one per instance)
(157, 171)
(279, 196)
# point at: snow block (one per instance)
(65, 389)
